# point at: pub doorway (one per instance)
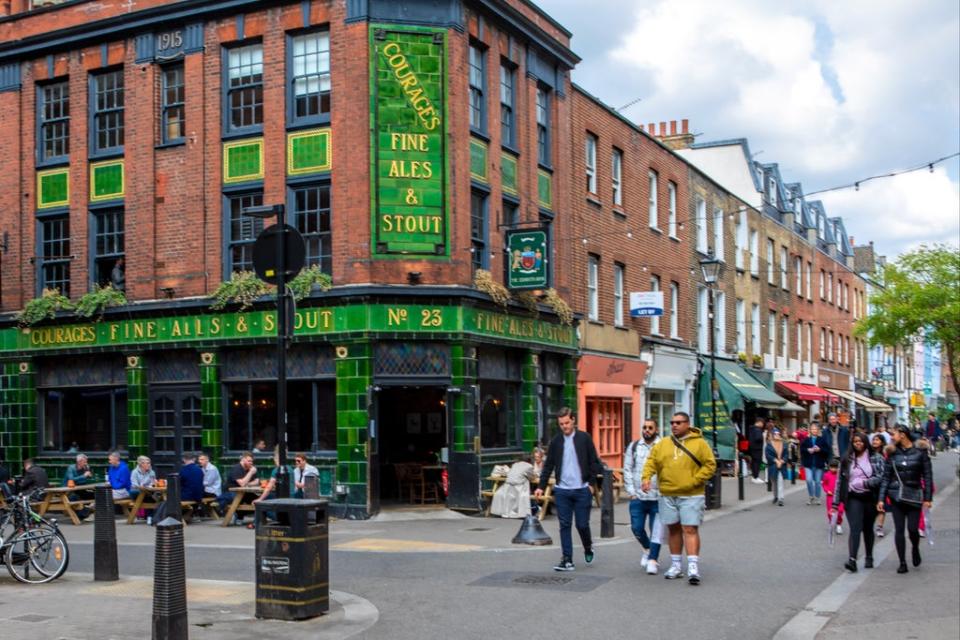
(411, 432)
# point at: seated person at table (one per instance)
(6, 484)
(269, 492)
(142, 476)
(242, 474)
(260, 446)
(302, 469)
(211, 477)
(191, 479)
(80, 472)
(512, 499)
(118, 475)
(537, 459)
(34, 477)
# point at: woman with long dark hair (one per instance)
(861, 473)
(908, 481)
(877, 445)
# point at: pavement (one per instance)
(422, 572)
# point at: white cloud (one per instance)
(832, 91)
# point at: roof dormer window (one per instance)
(772, 190)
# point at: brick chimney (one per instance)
(671, 137)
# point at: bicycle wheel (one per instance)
(37, 556)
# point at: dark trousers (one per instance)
(573, 503)
(905, 516)
(861, 509)
(756, 457)
(640, 510)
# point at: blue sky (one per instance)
(832, 91)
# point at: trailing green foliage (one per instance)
(243, 288)
(304, 282)
(99, 300)
(484, 281)
(46, 306)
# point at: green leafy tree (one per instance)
(919, 302)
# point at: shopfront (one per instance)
(671, 375)
(608, 393)
(371, 382)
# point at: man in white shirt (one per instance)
(211, 477)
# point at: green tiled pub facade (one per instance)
(380, 379)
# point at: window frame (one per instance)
(619, 276)
(756, 345)
(117, 395)
(740, 317)
(772, 334)
(544, 141)
(593, 288)
(719, 251)
(228, 129)
(754, 253)
(616, 176)
(479, 243)
(166, 107)
(672, 208)
(653, 198)
(590, 161)
(57, 260)
(293, 120)
(771, 260)
(655, 320)
(703, 236)
(96, 231)
(674, 304)
(325, 238)
(476, 92)
(256, 226)
(93, 113)
(508, 112)
(784, 266)
(41, 102)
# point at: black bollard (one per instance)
(173, 497)
(740, 473)
(105, 566)
(169, 583)
(793, 473)
(769, 481)
(606, 504)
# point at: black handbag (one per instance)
(905, 494)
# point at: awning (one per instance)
(807, 392)
(867, 403)
(745, 384)
(792, 407)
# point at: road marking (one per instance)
(812, 618)
(387, 545)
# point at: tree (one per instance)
(920, 302)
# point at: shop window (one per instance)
(252, 415)
(499, 413)
(84, 419)
(604, 421)
(660, 406)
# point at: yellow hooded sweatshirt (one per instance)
(677, 474)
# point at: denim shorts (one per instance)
(687, 510)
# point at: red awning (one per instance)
(808, 392)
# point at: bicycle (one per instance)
(31, 546)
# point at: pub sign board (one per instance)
(527, 263)
(408, 105)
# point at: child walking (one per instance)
(830, 488)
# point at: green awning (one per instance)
(736, 388)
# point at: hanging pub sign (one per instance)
(646, 303)
(527, 264)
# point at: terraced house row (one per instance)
(481, 222)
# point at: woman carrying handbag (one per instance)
(861, 473)
(905, 470)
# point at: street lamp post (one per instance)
(711, 268)
(278, 210)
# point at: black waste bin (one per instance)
(293, 569)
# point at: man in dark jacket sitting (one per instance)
(34, 477)
(191, 479)
(574, 458)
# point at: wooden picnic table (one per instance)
(545, 500)
(151, 497)
(237, 503)
(58, 499)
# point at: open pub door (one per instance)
(463, 447)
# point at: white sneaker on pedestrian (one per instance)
(652, 567)
(757, 481)
(880, 532)
(644, 559)
(694, 576)
(819, 501)
(923, 534)
(674, 572)
(839, 530)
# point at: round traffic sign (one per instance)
(266, 252)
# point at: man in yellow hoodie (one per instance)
(682, 463)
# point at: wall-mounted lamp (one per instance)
(414, 277)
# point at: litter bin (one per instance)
(293, 569)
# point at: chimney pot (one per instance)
(652, 128)
(673, 127)
(852, 243)
(663, 128)
(683, 125)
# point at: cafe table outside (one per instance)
(59, 499)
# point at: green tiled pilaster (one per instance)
(18, 410)
(528, 399)
(211, 405)
(138, 409)
(354, 364)
(28, 409)
(464, 366)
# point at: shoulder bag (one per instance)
(905, 494)
(679, 445)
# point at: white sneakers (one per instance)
(652, 567)
(644, 559)
(839, 530)
(673, 572)
(757, 481)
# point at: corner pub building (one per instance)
(404, 139)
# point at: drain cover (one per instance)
(32, 617)
(543, 580)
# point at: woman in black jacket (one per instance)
(905, 469)
(861, 473)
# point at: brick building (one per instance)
(402, 139)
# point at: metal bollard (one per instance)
(606, 505)
(105, 565)
(169, 583)
(741, 472)
(173, 497)
(793, 473)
